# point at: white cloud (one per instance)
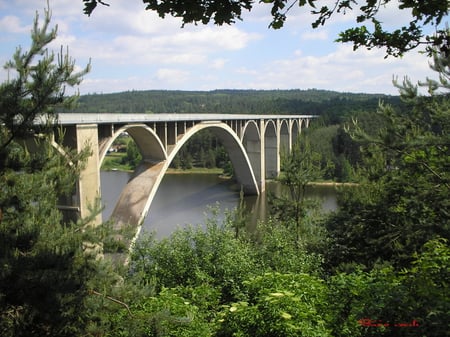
(12, 24)
(172, 76)
(227, 38)
(218, 63)
(132, 48)
(341, 70)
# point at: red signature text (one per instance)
(371, 322)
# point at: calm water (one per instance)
(187, 198)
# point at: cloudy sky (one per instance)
(133, 49)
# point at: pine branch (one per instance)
(112, 299)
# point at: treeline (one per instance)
(311, 102)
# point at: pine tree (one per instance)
(403, 201)
(44, 272)
(299, 168)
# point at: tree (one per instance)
(45, 274)
(36, 88)
(133, 156)
(424, 15)
(275, 304)
(402, 201)
(383, 302)
(299, 168)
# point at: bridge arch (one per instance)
(284, 133)
(295, 131)
(251, 140)
(147, 141)
(236, 151)
(271, 150)
(137, 196)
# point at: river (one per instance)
(184, 199)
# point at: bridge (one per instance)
(253, 142)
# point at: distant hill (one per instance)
(312, 101)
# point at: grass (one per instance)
(113, 161)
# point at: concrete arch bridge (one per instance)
(253, 143)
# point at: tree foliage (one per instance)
(404, 202)
(45, 273)
(423, 16)
(181, 285)
(278, 305)
(332, 106)
(383, 302)
(36, 85)
(293, 208)
(212, 282)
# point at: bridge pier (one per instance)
(88, 187)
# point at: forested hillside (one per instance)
(312, 101)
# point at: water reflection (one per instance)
(184, 199)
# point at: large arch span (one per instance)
(137, 196)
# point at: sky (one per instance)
(133, 49)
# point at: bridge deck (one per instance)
(100, 118)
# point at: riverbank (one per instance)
(332, 183)
(195, 170)
(219, 172)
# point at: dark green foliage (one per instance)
(43, 267)
(292, 208)
(403, 39)
(45, 272)
(195, 273)
(202, 150)
(194, 256)
(133, 157)
(166, 313)
(341, 154)
(403, 201)
(278, 305)
(224, 12)
(276, 249)
(321, 139)
(382, 302)
(333, 106)
(181, 286)
(429, 277)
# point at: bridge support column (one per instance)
(88, 189)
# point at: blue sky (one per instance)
(133, 49)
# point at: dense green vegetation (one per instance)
(379, 266)
(308, 102)
(44, 270)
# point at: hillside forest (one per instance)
(378, 266)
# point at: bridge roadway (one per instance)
(254, 144)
